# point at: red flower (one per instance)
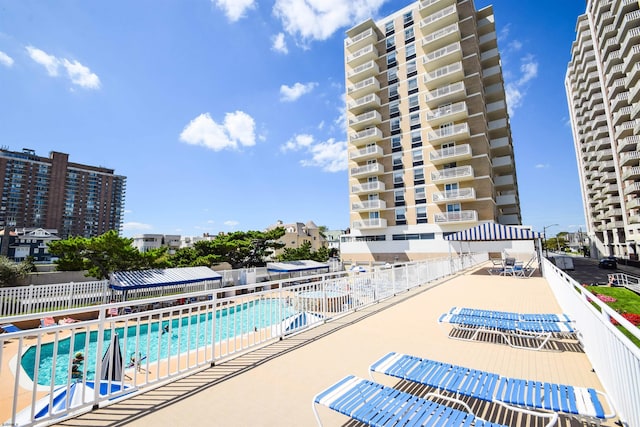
(631, 317)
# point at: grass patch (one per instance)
(627, 301)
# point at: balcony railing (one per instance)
(450, 112)
(452, 174)
(370, 169)
(365, 54)
(428, 7)
(369, 205)
(368, 187)
(451, 72)
(370, 101)
(460, 194)
(457, 152)
(367, 35)
(370, 223)
(458, 131)
(367, 135)
(449, 34)
(460, 216)
(444, 16)
(445, 93)
(364, 87)
(442, 56)
(371, 152)
(365, 70)
(368, 118)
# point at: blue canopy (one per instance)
(293, 266)
(123, 280)
(491, 231)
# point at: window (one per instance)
(416, 136)
(395, 143)
(411, 51)
(413, 102)
(414, 120)
(409, 36)
(417, 156)
(391, 59)
(388, 28)
(420, 193)
(408, 18)
(421, 212)
(414, 236)
(412, 85)
(418, 174)
(392, 74)
(393, 91)
(396, 160)
(399, 196)
(394, 108)
(411, 67)
(400, 214)
(453, 207)
(391, 43)
(395, 124)
(397, 178)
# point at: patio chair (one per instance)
(10, 327)
(509, 315)
(471, 328)
(579, 402)
(376, 405)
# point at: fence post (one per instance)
(70, 299)
(30, 305)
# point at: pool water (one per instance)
(151, 341)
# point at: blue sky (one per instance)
(229, 114)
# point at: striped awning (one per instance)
(491, 231)
(122, 280)
(293, 266)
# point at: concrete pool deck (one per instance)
(275, 384)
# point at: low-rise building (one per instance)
(27, 242)
(147, 242)
(298, 233)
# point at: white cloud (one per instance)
(136, 226)
(297, 142)
(234, 9)
(79, 74)
(542, 166)
(5, 59)
(308, 20)
(279, 45)
(516, 85)
(515, 45)
(529, 69)
(290, 94)
(238, 129)
(330, 156)
(231, 223)
(50, 62)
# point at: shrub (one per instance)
(606, 298)
(631, 317)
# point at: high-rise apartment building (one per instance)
(53, 193)
(603, 92)
(430, 147)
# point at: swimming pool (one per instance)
(151, 341)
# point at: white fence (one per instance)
(38, 298)
(613, 356)
(174, 340)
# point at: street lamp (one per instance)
(544, 235)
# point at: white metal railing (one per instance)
(34, 298)
(458, 216)
(449, 131)
(613, 356)
(166, 338)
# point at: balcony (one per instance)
(625, 129)
(371, 169)
(500, 146)
(507, 200)
(632, 58)
(447, 74)
(368, 187)
(368, 206)
(456, 217)
(630, 158)
(364, 120)
(367, 37)
(491, 55)
(429, 7)
(443, 56)
(364, 87)
(450, 154)
(365, 136)
(502, 163)
(632, 188)
(633, 203)
(368, 69)
(604, 155)
(367, 53)
(447, 113)
(445, 176)
(451, 133)
(488, 38)
(439, 19)
(631, 38)
(488, 73)
(460, 195)
(629, 143)
(363, 104)
(449, 34)
(442, 95)
(367, 153)
(503, 181)
(370, 223)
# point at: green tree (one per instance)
(104, 254)
(11, 272)
(304, 252)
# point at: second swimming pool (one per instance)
(154, 341)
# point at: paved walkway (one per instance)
(275, 385)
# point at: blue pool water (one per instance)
(150, 340)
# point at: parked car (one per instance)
(608, 262)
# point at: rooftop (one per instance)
(275, 384)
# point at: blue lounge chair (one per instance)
(10, 327)
(377, 405)
(579, 402)
(510, 330)
(538, 317)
